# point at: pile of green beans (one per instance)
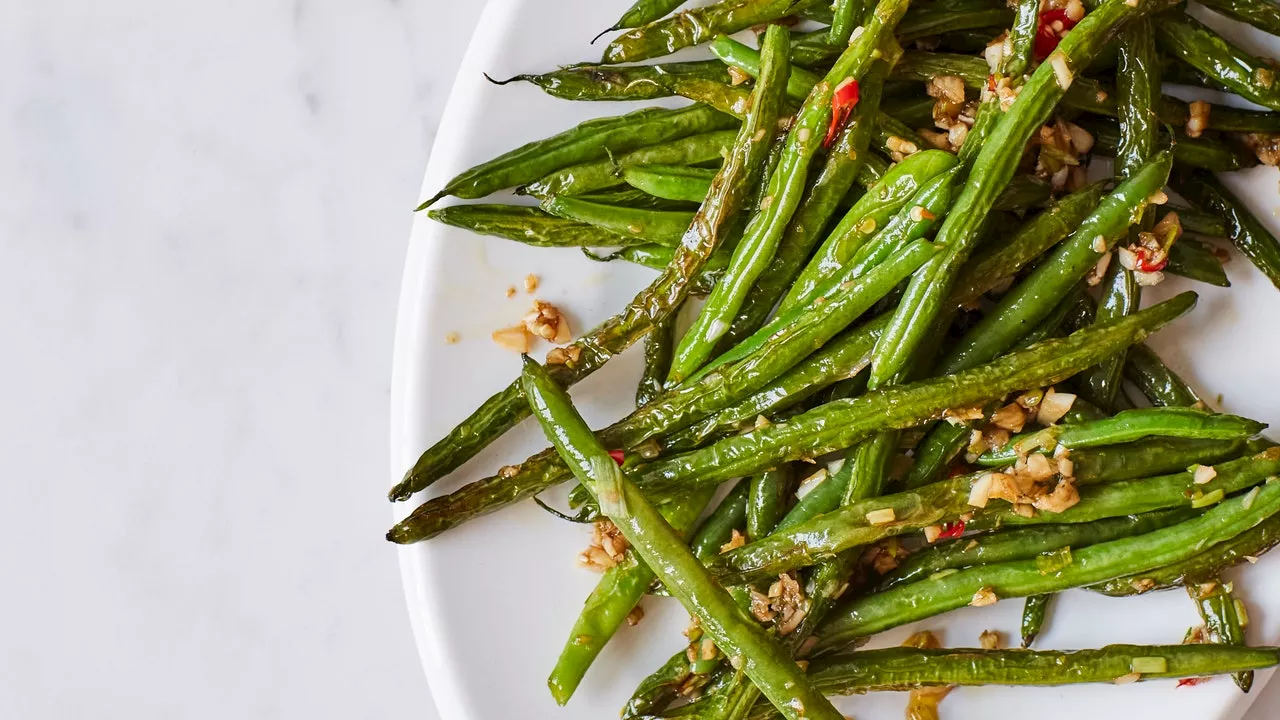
(920, 363)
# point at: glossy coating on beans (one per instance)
(1097, 563)
(603, 172)
(591, 140)
(1250, 237)
(712, 224)
(735, 632)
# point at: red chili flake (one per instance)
(842, 103)
(617, 456)
(951, 531)
(1144, 263)
(1188, 682)
(1047, 38)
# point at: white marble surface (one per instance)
(203, 213)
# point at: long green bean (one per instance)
(612, 83)
(804, 544)
(882, 201)
(905, 668)
(1089, 565)
(1245, 547)
(530, 226)
(1034, 298)
(1220, 610)
(604, 172)
(605, 610)
(672, 182)
(1157, 382)
(735, 632)
(846, 159)
(1126, 426)
(993, 167)
(664, 227)
(591, 140)
(1023, 544)
(1194, 260)
(760, 240)
(657, 301)
(1262, 14)
(1195, 44)
(1249, 236)
(696, 26)
(840, 424)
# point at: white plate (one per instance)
(492, 602)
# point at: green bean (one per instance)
(1192, 259)
(664, 227)
(611, 83)
(1220, 611)
(1138, 89)
(673, 182)
(658, 257)
(794, 333)
(1157, 382)
(1023, 544)
(735, 54)
(696, 26)
(591, 140)
(786, 186)
(718, 528)
(905, 668)
(528, 225)
(735, 632)
(846, 16)
(842, 423)
(683, 405)
(1262, 14)
(1206, 153)
(1034, 611)
(657, 690)
(1124, 497)
(1197, 222)
(619, 591)
(988, 269)
(1034, 298)
(839, 359)
(657, 357)
(1245, 547)
(1097, 563)
(994, 166)
(882, 201)
(1017, 58)
(912, 222)
(806, 543)
(643, 12)
(1145, 458)
(1126, 426)
(602, 173)
(660, 299)
(1086, 94)
(912, 110)
(1244, 230)
(846, 159)
(768, 498)
(1192, 42)
(633, 198)
(929, 20)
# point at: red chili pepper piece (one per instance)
(617, 456)
(1144, 263)
(843, 101)
(1188, 682)
(951, 531)
(1047, 38)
